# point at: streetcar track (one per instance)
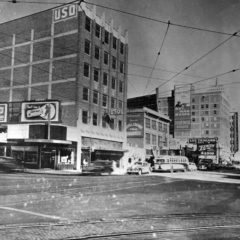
(159, 231)
(85, 193)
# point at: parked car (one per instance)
(139, 168)
(207, 164)
(192, 166)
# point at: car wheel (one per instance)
(140, 172)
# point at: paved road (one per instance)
(160, 206)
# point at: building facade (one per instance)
(234, 132)
(149, 130)
(63, 70)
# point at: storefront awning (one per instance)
(45, 141)
(111, 150)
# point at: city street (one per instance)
(156, 206)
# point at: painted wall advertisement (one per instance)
(40, 111)
(182, 107)
(3, 112)
(135, 125)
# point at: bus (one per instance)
(168, 163)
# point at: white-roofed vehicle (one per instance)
(167, 163)
(139, 168)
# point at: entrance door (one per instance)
(48, 158)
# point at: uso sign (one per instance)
(64, 12)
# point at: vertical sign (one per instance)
(3, 112)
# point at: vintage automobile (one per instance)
(192, 166)
(207, 164)
(139, 168)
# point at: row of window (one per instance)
(206, 98)
(106, 57)
(95, 99)
(105, 80)
(106, 37)
(205, 106)
(153, 124)
(155, 140)
(94, 119)
(214, 112)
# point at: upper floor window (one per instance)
(121, 67)
(148, 123)
(193, 100)
(104, 123)
(85, 116)
(121, 48)
(106, 36)
(120, 104)
(85, 94)
(87, 46)
(97, 52)
(113, 82)
(105, 79)
(114, 62)
(97, 30)
(96, 75)
(86, 70)
(104, 100)
(113, 102)
(105, 58)
(147, 138)
(88, 23)
(114, 42)
(95, 97)
(95, 119)
(120, 86)
(154, 125)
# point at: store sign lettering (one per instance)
(64, 12)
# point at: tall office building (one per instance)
(63, 87)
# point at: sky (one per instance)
(181, 46)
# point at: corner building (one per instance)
(62, 72)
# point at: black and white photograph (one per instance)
(119, 119)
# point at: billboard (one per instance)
(40, 111)
(135, 125)
(3, 112)
(182, 110)
(64, 12)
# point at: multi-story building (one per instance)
(148, 129)
(166, 106)
(203, 114)
(234, 132)
(63, 87)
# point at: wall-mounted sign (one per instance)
(135, 125)
(64, 12)
(40, 111)
(3, 112)
(115, 111)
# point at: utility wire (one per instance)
(209, 78)
(128, 13)
(198, 59)
(158, 55)
(161, 21)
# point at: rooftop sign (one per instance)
(64, 12)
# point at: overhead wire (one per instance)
(198, 59)
(156, 60)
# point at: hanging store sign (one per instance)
(3, 112)
(40, 111)
(64, 12)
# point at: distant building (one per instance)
(234, 132)
(166, 106)
(65, 67)
(149, 101)
(148, 129)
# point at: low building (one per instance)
(148, 129)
